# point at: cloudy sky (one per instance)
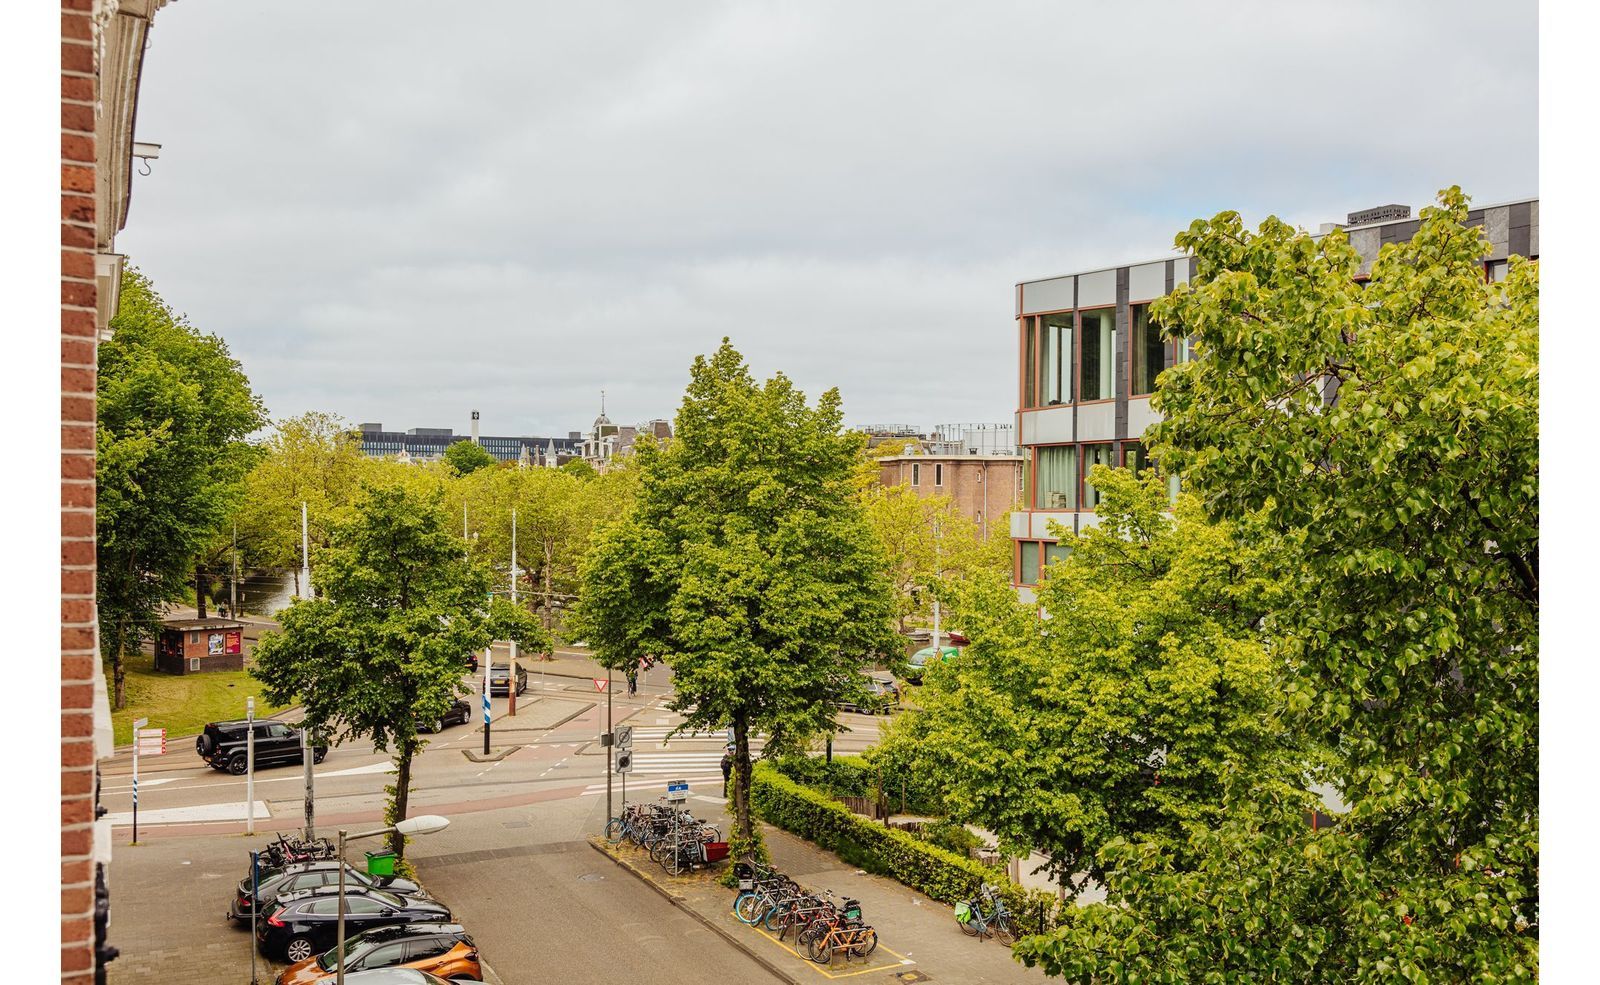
(399, 212)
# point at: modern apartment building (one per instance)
(1088, 358)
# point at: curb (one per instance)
(493, 757)
(704, 921)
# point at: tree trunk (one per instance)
(548, 600)
(200, 587)
(119, 671)
(402, 794)
(741, 775)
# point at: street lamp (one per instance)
(427, 824)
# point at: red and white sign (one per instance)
(151, 741)
(600, 684)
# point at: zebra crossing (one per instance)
(657, 758)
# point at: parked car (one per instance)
(460, 713)
(306, 923)
(883, 696)
(442, 949)
(912, 670)
(393, 976)
(222, 745)
(500, 678)
(272, 883)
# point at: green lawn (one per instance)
(182, 703)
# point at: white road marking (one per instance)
(384, 767)
(142, 783)
(201, 812)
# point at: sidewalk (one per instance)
(918, 937)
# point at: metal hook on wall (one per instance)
(144, 166)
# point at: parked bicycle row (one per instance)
(674, 837)
(291, 894)
(824, 925)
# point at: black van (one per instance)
(222, 745)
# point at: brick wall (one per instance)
(78, 631)
(982, 487)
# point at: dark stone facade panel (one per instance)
(1119, 375)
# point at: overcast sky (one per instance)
(399, 212)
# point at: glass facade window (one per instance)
(1097, 353)
(1056, 332)
(1030, 362)
(1056, 552)
(1028, 562)
(1135, 457)
(1094, 455)
(1056, 478)
(938, 474)
(1149, 351)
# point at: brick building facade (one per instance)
(983, 487)
(102, 50)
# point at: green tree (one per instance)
(929, 543)
(381, 647)
(314, 458)
(746, 564)
(467, 457)
(1393, 428)
(1126, 712)
(174, 408)
(579, 468)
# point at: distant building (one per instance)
(946, 439)
(429, 444)
(607, 441)
(984, 487)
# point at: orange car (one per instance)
(442, 949)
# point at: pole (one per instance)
(511, 687)
(488, 656)
(250, 767)
(255, 904)
(138, 724)
(233, 586)
(338, 948)
(611, 749)
(305, 548)
(306, 756)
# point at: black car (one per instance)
(306, 923)
(460, 713)
(883, 696)
(272, 883)
(222, 745)
(500, 677)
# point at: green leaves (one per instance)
(173, 409)
(746, 563)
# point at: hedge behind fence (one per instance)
(926, 868)
(854, 776)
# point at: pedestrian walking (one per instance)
(727, 768)
(633, 680)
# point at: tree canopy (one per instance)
(928, 542)
(174, 408)
(745, 563)
(467, 457)
(382, 647)
(1390, 427)
(1127, 711)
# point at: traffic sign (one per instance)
(139, 723)
(625, 736)
(151, 741)
(677, 791)
(600, 684)
(624, 760)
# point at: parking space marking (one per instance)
(903, 962)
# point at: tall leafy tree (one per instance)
(1127, 712)
(380, 648)
(929, 544)
(746, 563)
(174, 408)
(1393, 427)
(467, 457)
(314, 458)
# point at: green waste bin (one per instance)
(380, 863)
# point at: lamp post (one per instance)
(427, 824)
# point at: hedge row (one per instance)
(926, 868)
(854, 776)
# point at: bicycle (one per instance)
(842, 932)
(996, 923)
